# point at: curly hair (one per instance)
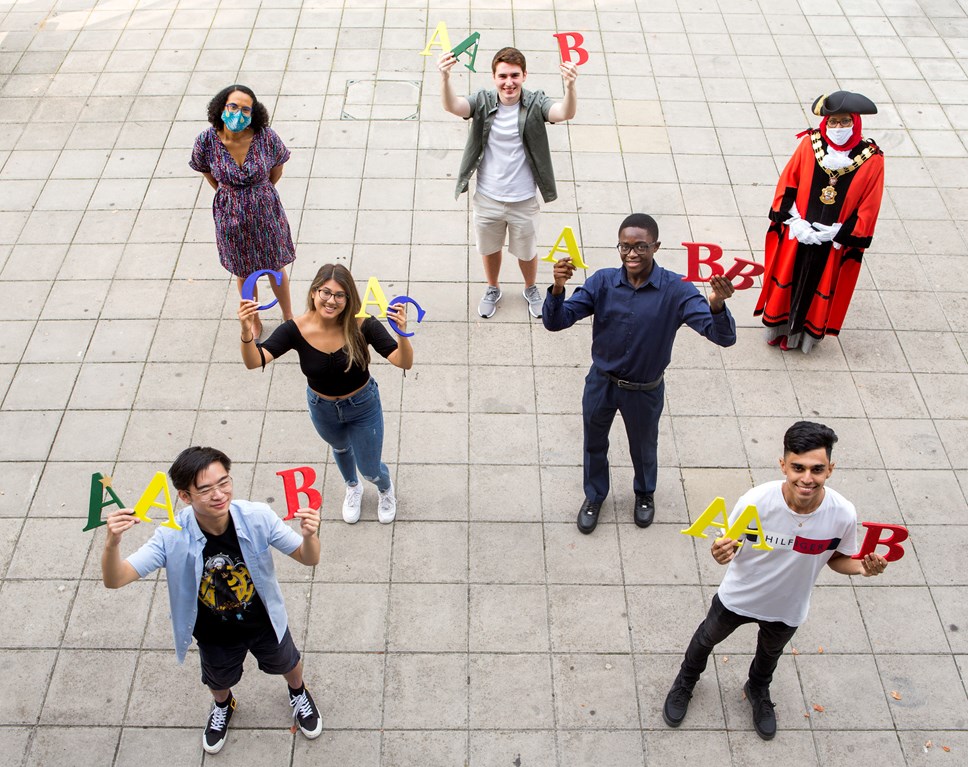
(260, 115)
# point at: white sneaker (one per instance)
(387, 510)
(352, 503)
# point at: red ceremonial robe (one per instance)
(809, 286)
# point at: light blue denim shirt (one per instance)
(180, 553)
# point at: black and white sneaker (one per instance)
(305, 714)
(218, 725)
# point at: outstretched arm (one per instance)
(872, 564)
(456, 105)
(308, 551)
(402, 356)
(711, 319)
(248, 311)
(559, 313)
(116, 572)
(722, 289)
(568, 106)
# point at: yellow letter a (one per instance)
(149, 499)
(741, 527)
(570, 249)
(439, 38)
(708, 519)
(379, 298)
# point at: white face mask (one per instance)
(840, 136)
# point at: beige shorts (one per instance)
(493, 220)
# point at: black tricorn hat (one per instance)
(841, 102)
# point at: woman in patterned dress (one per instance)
(242, 158)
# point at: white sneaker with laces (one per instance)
(387, 510)
(352, 503)
(217, 727)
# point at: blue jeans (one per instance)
(640, 411)
(353, 427)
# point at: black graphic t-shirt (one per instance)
(229, 605)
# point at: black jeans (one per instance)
(719, 624)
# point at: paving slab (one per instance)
(480, 628)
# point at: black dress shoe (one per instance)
(588, 516)
(644, 510)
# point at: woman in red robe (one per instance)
(822, 220)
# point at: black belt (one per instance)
(621, 383)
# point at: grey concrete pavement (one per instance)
(480, 628)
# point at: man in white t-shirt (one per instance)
(808, 525)
(507, 146)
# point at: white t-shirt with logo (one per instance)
(776, 585)
(504, 173)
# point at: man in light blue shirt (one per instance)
(222, 584)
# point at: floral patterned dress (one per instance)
(251, 227)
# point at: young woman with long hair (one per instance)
(344, 400)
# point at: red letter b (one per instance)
(873, 539)
(563, 44)
(314, 499)
(695, 259)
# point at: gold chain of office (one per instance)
(829, 194)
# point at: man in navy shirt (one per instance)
(638, 308)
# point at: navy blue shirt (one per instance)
(634, 328)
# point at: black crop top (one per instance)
(326, 371)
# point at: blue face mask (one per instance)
(236, 121)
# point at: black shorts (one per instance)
(222, 664)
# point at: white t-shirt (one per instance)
(504, 173)
(776, 585)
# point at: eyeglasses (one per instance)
(233, 108)
(224, 486)
(327, 294)
(840, 122)
(641, 248)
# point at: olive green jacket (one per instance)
(535, 106)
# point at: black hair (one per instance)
(260, 115)
(191, 461)
(641, 221)
(805, 436)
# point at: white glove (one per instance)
(826, 233)
(802, 231)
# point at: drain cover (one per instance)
(381, 100)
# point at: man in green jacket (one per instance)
(507, 145)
